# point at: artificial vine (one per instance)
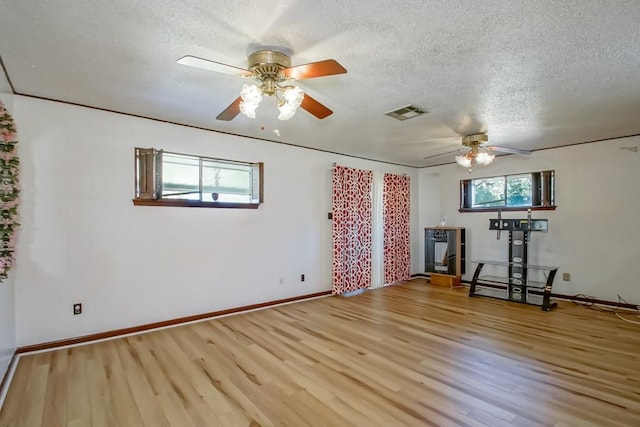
(9, 191)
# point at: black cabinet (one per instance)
(445, 254)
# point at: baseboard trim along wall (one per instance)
(7, 377)
(163, 324)
(6, 374)
(203, 316)
(576, 298)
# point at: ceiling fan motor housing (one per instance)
(267, 67)
(475, 140)
(269, 57)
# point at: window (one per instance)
(173, 179)
(508, 192)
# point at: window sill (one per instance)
(193, 204)
(509, 209)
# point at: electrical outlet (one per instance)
(77, 308)
(302, 277)
(281, 280)
(566, 277)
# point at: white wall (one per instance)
(7, 324)
(82, 240)
(594, 232)
(7, 302)
(429, 208)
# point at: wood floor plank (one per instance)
(100, 398)
(55, 406)
(410, 355)
(78, 406)
(13, 408)
(31, 412)
(125, 410)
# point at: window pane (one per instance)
(226, 182)
(255, 184)
(167, 175)
(488, 192)
(511, 192)
(180, 177)
(519, 190)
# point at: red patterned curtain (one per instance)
(352, 225)
(395, 207)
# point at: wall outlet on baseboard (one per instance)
(77, 308)
(566, 277)
(302, 277)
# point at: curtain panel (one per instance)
(352, 225)
(395, 202)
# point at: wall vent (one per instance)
(407, 112)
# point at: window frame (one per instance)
(543, 193)
(148, 181)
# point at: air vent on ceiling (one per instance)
(408, 112)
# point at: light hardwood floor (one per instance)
(407, 355)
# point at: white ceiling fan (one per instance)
(476, 152)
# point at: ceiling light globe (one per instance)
(251, 94)
(293, 95)
(248, 109)
(463, 161)
(251, 97)
(286, 111)
(485, 158)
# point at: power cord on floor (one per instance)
(620, 299)
(625, 301)
(593, 306)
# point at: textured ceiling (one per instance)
(531, 74)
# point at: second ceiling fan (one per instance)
(273, 72)
(477, 153)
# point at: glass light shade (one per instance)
(286, 111)
(485, 158)
(463, 161)
(251, 93)
(251, 97)
(248, 109)
(293, 95)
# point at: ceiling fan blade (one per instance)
(508, 150)
(314, 107)
(205, 64)
(327, 67)
(231, 111)
(444, 154)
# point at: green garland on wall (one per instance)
(9, 191)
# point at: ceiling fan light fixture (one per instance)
(251, 97)
(477, 154)
(484, 158)
(286, 111)
(293, 95)
(476, 157)
(289, 100)
(464, 161)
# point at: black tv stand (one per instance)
(498, 286)
(515, 280)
